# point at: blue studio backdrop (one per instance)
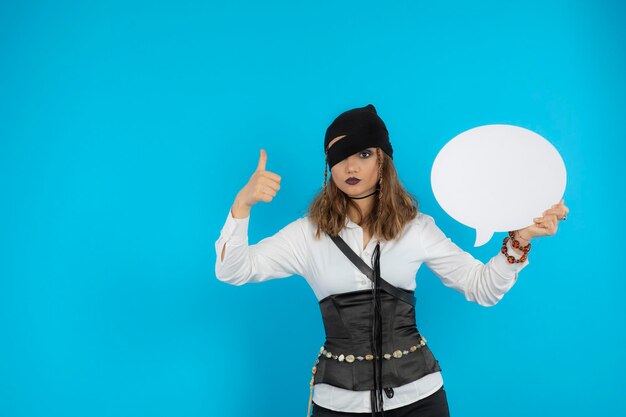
(127, 129)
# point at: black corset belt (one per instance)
(348, 322)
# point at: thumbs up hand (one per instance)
(262, 186)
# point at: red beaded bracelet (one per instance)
(516, 244)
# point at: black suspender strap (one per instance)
(365, 269)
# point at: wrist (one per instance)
(519, 247)
(517, 250)
(521, 238)
(240, 209)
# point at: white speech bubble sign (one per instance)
(496, 178)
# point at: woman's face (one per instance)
(361, 166)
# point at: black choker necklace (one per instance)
(369, 195)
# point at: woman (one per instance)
(359, 249)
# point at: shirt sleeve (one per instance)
(484, 284)
(277, 256)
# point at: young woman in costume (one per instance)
(359, 248)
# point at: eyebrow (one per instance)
(369, 150)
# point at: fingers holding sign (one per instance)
(549, 221)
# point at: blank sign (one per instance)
(496, 178)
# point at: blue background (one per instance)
(127, 129)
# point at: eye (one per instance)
(365, 154)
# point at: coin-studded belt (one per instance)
(349, 358)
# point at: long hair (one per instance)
(393, 208)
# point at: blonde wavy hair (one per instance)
(393, 209)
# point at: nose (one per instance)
(352, 163)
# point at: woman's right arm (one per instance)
(278, 256)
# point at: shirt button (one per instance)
(366, 253)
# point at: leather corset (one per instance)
(348, 319)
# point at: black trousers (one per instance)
(435, 405)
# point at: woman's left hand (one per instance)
(546, 225)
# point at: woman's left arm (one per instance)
(487, 283)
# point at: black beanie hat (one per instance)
(363, 129)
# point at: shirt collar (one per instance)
(350, 224)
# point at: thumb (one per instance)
(262, 161)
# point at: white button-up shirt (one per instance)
(293, 250)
